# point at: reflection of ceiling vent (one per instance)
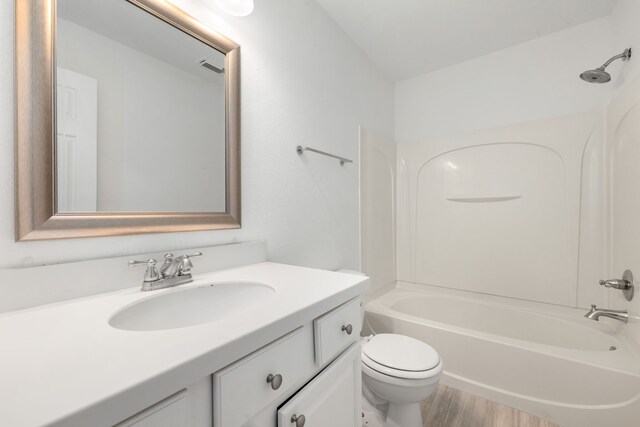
(209, 66)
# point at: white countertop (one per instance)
(63, 364)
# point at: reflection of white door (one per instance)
(76, 142)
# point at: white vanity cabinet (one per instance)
(242, 346)
(333, 398)
(310, 376)
(295, 376)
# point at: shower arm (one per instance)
(624, 56)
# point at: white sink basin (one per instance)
(180, 308)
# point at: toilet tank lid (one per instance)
(401, 352)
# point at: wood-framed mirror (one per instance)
(127, 120)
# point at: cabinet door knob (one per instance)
(299, 420)
(348, 329)
(275, 381)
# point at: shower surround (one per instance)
(506, 211)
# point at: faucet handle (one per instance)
(621, 284)
(151, 274)
(185, 263)
(626, 284)
(194, 255)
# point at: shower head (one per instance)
(599, 75)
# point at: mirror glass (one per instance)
(140, 113)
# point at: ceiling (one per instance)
(406, 38)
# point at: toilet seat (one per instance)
(400, 356)
(396, 373)
(406, 383)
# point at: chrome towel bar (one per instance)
(300, 149)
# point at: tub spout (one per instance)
(595, 313)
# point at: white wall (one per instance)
(530, 81)
(303, 82)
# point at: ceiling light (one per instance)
(235, 7)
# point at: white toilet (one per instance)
(398, 372)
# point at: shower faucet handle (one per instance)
(615, 284)
(625, 284)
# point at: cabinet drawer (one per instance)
(332, 399)
(331, 330)
(241, 390)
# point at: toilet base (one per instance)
(378, 414)
(372, 419)
(408, 415)
(397, 416)
(374, 411)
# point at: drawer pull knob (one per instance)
(299, 420)
(348, 329)
(275, 381)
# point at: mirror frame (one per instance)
(35, 128)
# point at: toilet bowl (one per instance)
(398, 372)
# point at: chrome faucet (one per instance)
(595, 313)
(173, 272)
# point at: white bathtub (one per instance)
(546, 360)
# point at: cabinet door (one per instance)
(333, 398)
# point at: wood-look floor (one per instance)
(449, 407)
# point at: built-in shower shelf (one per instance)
(482, 199)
